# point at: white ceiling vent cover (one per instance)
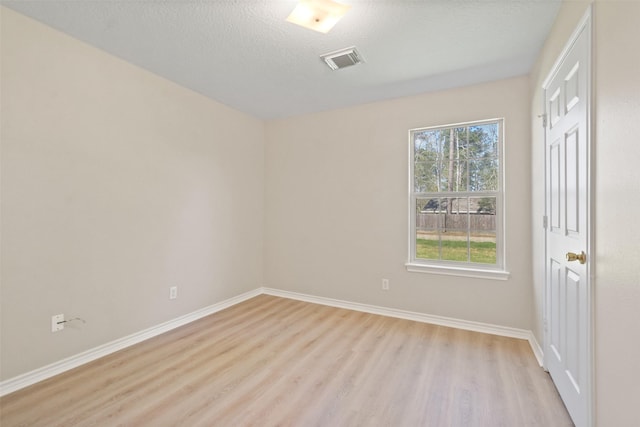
(342, 58)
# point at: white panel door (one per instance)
(567, 338)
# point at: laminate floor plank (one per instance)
(273, 361)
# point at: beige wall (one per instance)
(617, 239)
(617, 187)
(337, 206)
(116, 185)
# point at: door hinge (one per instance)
(544, 222)
(544, 120)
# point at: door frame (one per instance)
(585, 24)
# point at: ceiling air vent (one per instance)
(342, 58)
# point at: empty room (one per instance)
(319, 213)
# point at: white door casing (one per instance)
(568, 331)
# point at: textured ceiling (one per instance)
(244, 54)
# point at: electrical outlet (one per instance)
(173, 292)
(385, 284)
(57, 322)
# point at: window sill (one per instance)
(458, 271)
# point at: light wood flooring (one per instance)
(278, 362)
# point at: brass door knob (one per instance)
(582, 257)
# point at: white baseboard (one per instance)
(537, 350)
(468, 325)
(40, 374)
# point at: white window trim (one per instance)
(480, 273)
(496, 271)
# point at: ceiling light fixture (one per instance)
(318, 15)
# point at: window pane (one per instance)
(483, 140)
(428, 245)
(484, 205)
(483, 174)
(455, 229)
(427, 145)
(425, 149)
(425, 177)
(483, 246)
(462, 143)
(482, 227)
(455, 245)
(429, 223)
(431, 206)
(453, 175)
(457, 209)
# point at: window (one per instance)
(456, 199)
